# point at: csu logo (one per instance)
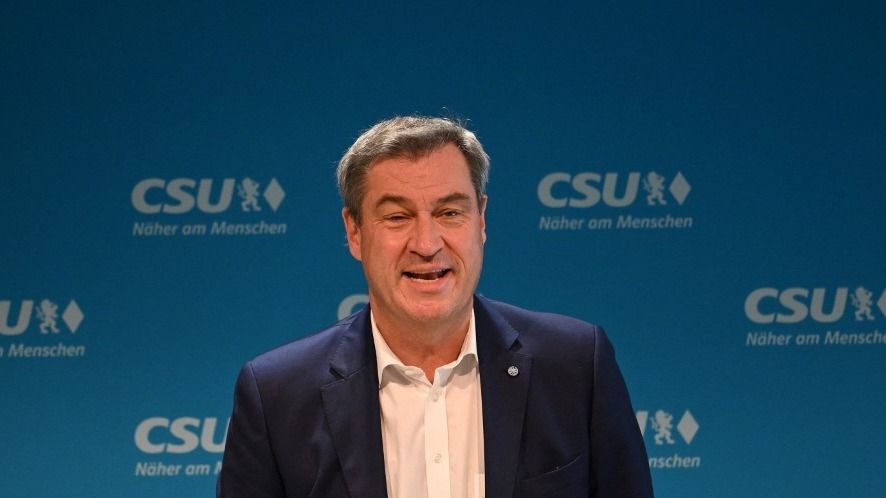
(45, 311)
(662, 424)
(182, 195)
(795, 304)
(180, 435)
(587, 189)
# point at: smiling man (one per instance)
(432, 391)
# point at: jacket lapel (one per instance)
(352, 410)
(504, 378)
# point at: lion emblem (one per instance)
(248, 191)
(662, 423)
(47, 313)
(653, 184)
(862, 299)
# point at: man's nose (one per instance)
(426, 239)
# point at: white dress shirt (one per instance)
(432, 432)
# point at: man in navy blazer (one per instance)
(309, 417)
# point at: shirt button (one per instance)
(437, 458)
(435, 395)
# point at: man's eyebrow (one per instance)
(403, 201)
(393, 199)
(453, 197)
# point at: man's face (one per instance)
(421, 238)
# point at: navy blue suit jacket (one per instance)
(306, 419)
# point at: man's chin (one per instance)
(428, 315)
(430, 312)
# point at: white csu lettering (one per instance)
(794, 308)
(179, 195)
(185, 432)
(24, 317)
(587, 185)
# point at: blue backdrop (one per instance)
(705, 180)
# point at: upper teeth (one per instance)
(427, 275)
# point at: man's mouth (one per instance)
(431, 275)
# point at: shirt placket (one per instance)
(437, 438)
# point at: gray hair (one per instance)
(411, 137)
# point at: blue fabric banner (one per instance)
(705, 181)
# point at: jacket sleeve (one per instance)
(619, 465)
(248, 466)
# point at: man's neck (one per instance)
(426, 345)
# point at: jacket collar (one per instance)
(504, 376)
(353, 411)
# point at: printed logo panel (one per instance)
(658, 206)
(183, 446)
(209, 205)
(817, 316)
(666, 449)
(41, 328)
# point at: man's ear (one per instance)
(483, 202)
(352, 232)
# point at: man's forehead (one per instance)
(442, 170)
(416, 155)
(447, 154)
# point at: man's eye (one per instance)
(395, 217)
(451, 213)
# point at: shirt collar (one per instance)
(384, 357)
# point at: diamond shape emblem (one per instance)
(274, 194)
(642, 420)
(687, 427)
(73, 316)
(882, 303)
(680, 188)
